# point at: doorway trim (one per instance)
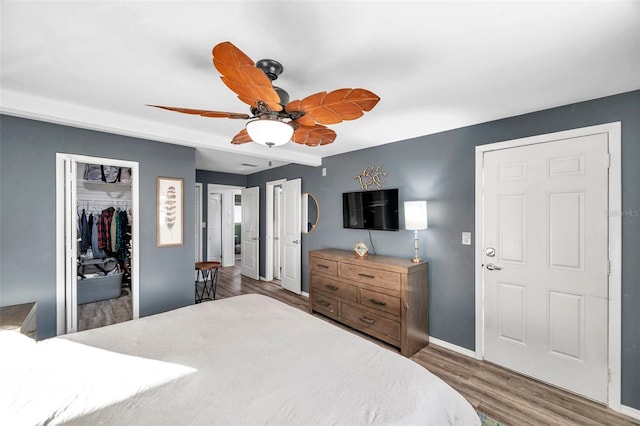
(268, 267)
(614, 132)
(61, 317)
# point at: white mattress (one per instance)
(245, 360)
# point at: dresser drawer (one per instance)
(324, 304)
(328, 267)
(377, 277)
(365, 319)
(380, 301)
(333, 287)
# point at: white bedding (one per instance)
(244, 360)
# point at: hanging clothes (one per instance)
(90, 228)
(104, 228)
(95, 246)
(123, 236)
(83, 232)
(114, 231)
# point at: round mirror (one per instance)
(310, 213)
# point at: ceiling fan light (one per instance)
(269, 131)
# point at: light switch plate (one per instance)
(466, 238)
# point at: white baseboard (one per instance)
(452, 347)
(629, 411)
(305, 294)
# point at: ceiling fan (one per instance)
(274, 120)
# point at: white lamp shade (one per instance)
(415, 215)
(269, 132)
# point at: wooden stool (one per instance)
(208, 271)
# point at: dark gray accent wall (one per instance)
(27, 214)
(205, 177)
(441, 168)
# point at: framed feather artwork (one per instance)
(169, 211)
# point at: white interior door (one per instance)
(250, 243)
(291, 245)
(545, 256)
(277, 231)
(71, 244)
(198, 226)
(214, 227)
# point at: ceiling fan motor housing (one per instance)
(270, 67)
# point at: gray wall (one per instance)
(441, 168)
(27, 214)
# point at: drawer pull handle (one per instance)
(331, 287)
(323, 303)
(367, 320)
(367, 275)
(323, 266)
(377, 302)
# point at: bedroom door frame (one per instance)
(215, 222)
(228, 241)
(269, 228)
(62, 313)
(613, 131)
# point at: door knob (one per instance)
(492, 267)
(296, 241)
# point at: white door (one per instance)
(250, 242)
(198, 227)
(214, 228)
(277, 231)
(545, 256)
(291, 249)
(71, 244)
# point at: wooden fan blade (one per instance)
(240, 75)
(205, 113)
(334, 107)
(313, 135)
(242, 137)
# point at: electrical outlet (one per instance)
(324, 171)
(466, 238)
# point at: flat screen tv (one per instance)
(377, 210)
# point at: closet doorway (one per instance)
(221, 227)
(95, 268)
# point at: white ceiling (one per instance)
(436, 65)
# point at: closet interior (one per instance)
(104, 207)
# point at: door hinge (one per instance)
(608, 267)
(608, 375)
(607, 160)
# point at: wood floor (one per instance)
(105, 312)
(507, 397)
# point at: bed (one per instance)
(244, 360)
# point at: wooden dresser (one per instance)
(385, 297)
